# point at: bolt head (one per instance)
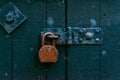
(89, 35)
(9, 17)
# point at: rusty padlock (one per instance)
(48, 53)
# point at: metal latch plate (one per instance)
(77, 35)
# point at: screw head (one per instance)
(97, 40)
(97, 31)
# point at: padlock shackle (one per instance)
(45, 36)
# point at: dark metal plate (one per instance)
(11, 17)
(77, 35)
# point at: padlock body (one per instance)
(48, 53)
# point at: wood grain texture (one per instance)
(56, 14)
(48, 53)
(5, 51)
(26, 41)
(83, 60)
(110, 54)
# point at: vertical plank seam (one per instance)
(100, 45)
(66, 49)
(12, 51)
(46, 7)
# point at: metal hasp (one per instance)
(77, 35)
(57, 31)
(11, 17)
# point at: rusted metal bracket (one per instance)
(11, 17)
(77, 35)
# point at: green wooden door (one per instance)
(19, 49)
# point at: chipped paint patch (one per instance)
(38, 77)
(15, 66)
(104, 52)
(61, 3)
(7, 36)
(50, 21)
(31, 49)
(6, 74)
(93, 22)
(119, 43)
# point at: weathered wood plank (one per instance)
(110, 58)
(26, 41)
(56, 18)
(83, 60)
(5, 51)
